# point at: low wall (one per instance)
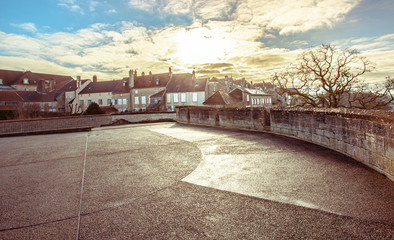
(366, 136)
(246, 118)
(145, 117)
(75, 123)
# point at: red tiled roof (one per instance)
(186, 83)
(31, 96)
(159, 94)
(250, 91)
(16, 77)
(221, 98)
(9, 76)
(115, 86)
(149, 81)
(10, 96)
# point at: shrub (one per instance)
(94, 108)
(8, 114)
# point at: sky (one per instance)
(249, 39)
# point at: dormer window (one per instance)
(157, 81)
(26, 81)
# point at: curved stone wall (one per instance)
(366, 136)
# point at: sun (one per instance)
(201, 45)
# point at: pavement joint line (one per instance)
(82, 182)
(37, 224)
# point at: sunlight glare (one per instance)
(201, 45)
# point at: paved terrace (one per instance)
(171, 181)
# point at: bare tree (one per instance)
(328, 77)
(372, 97)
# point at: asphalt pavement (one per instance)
(172, 181)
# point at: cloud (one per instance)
(111, 11)
(145, 5)
(71, 5)
(30, 27)
(93, 5)
(177, 7)
(214, 48)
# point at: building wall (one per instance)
(261, 101)
(102, 99)
(366, 136)
(184, 99)
(141, 97)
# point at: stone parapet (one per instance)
(75, 123)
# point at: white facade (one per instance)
(184, 99)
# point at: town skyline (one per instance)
(250, 39)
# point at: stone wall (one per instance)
(28, 126)
(366, 136)
(245, 118)
(75, 123)
(144, 117)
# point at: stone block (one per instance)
(316, 138)
(379, 129)
(388, 165)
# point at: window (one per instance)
(136, 100)
(194, 97)
(168, 98)
(143, 100)
(89, 101)
(108, 101)
(81, 102)
(100, 101)
(25, 81)
(136, 91)
(247, 97)
(176, 97)
(183, 97)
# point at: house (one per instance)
(223, 99)
(44, 90)
(215, 84)
(144, 86)
(114, 93)
(10, 100)
(185, 89)
(44, 102)
(29, 81)
(252, 97)
(156, 101)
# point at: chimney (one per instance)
(226, 78)
(194, 74)
(78, 81)
(143, 74)
(170, 72)
(131, 78)
(150, 75)
(94, 78)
